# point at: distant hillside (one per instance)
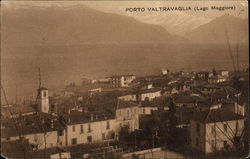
(215, 31)
(77, 25)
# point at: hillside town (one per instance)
(172, 114)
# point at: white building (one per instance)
(43, 100)
(128, 97)
(149, 94)
(215, 130)
(224, 73)
(217, 79)
(121, 81)
(36, 135)
(147, 107)
(90, 128)
(127, 113)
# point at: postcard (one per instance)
(124, 79)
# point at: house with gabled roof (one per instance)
(216, 130)
(127, 114)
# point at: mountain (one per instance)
(77, 25)
(217, 31)
(177, 23)
(68, 43)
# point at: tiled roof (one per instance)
(30, 129)
(78, 118)
(216, 115)
(17, 109)
(148, 104)
(125, 104)
(152, 90)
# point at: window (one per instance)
(73, 128)
(143, 110)
(135, 110)
(44, 94)
(198, 128)
(225, 127)
(60, 132)
(74, 141)
(89, 128)
(107, 126)
(128, 113)
(81, 129)
(197, 142)
(89, 139)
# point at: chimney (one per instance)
(92, 117)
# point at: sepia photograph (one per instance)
(124, 79)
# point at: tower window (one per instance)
(45, 94)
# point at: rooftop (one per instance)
(216, 115)
(148, 104)
(126, 104)
(81, 118)
(30, 129)
(152, 90)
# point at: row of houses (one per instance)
(142, 95)
(75, 127)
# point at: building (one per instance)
(41, 134)
(43, 100)
(127, 114)
(216, 79)
(223, 73)
(235, 107)
(128, 79)
(148, 107)
(117, 81)
(121, 81)
(148, 94)
(85, 128)
(202, 76)
(207, 89)
(215, 130)
(128, 97)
